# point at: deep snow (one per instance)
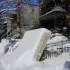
(62, 62)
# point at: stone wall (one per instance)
(29, 17)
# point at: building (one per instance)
(29, 17)
(53, 13)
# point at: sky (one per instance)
(12, 5)
(6, 4)
(35, 1)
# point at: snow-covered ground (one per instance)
(61, 62)
(6, 43)
(58, 41)
(3, 43)
(57, 38)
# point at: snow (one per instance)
(57, 38)
(55, 63)
(57, 41)
(22, 58)
(3, 43)
(28, 50)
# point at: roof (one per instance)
(56, 11)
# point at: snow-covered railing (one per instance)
(54, 52)
(61, 43)
(49, 54)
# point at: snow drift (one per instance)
(28, 51)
